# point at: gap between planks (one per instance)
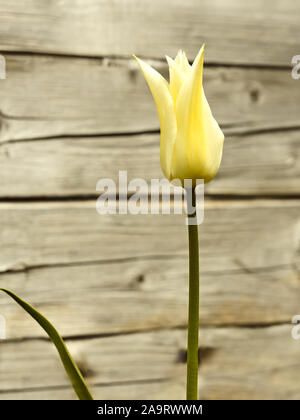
(127, 60)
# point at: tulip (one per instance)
(191, 144)
(191, 140)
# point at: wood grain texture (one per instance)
(131, 391)
(74, 108)
(36, 234)
(55, 96)
(121, 297)
(249, 258)
(235, 32)
(236, 363)
(258, 164)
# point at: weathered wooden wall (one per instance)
(74, 108)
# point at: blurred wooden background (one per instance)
(74, 108)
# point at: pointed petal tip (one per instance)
(170, 61)
(138, 60)
(184, 54)
(199, 57)
(202, 49)
(144, 66)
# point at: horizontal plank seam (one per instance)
(239, 196)
(79, 136)
(129, 58)
(94, 385)
(84, 337)
(267, 130)
(25, 269)
(177, 327)
(240, 270)
(229, 130)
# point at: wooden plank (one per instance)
(104, 361)
(35, 234)
(54, 96)
(131, 391)
(259, 164)
(236, 363)
(235, 32)
(146, 294)
(248, 257)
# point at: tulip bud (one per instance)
(191, 140)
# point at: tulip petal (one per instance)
(182, 62)
(160, 91)
(198, 147)
(177, 78)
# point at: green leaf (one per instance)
(72, 370)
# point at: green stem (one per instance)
(193, 322)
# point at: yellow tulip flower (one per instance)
(191, 141)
